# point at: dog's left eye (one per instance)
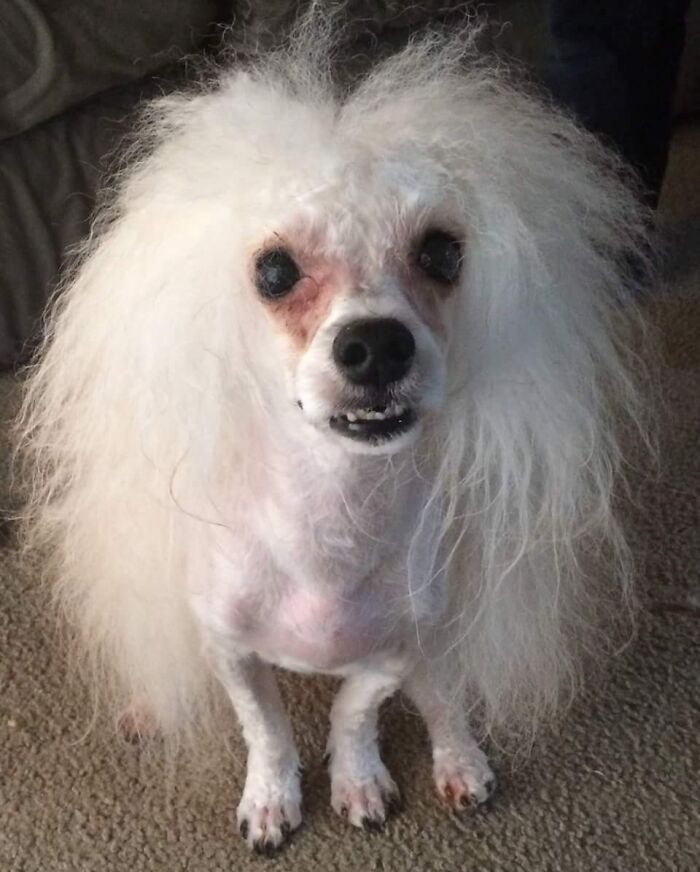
(276, 273)
(439, 255)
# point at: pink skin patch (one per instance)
(463, 778)
(136, 724)
(454, 794)
(300, 312)
(323, 631)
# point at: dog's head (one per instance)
(356, 288)
(352, 254)
(352, 266)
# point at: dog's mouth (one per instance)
(374, 425)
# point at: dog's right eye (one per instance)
(276, 273)
(440, 256)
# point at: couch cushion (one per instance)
(56, 53)
(48, 180)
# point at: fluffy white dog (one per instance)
(335, 386)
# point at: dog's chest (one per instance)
(314, 592)
(303, 607)
(309, 629)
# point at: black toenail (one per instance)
(372, 825)
(264, 849)
(394, 804)
(244, 828)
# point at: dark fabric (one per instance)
(263, 23)
(615, 65)
(48, 179)
(57, 53)
(55, 146)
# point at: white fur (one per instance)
(204, 525)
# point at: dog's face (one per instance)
(357, 287)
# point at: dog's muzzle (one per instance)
(374, 355)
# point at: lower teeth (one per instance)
(371, 415)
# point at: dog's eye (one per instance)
(440, 256)
(275, 273)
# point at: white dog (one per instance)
(335, 386)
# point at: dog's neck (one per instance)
(346, 513)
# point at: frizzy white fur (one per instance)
(147, 399)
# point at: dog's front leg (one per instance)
(270, 808)
(361, 788)
(463, 777)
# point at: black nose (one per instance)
(374, 352)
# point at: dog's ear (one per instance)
(141, 308)
(131, 395)
(544, 379)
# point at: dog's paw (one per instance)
(270, 809)
(366, 801)
(136, 724)
(463, 778)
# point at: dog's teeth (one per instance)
(393, 411)
(354, 426)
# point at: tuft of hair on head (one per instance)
(143, 397)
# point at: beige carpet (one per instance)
(616, 789)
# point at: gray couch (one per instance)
(71, 74)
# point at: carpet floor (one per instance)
(616, 788)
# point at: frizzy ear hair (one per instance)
(547, 388)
